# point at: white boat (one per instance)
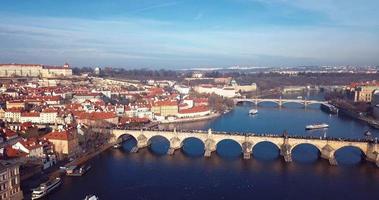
(368, 133)
(299, 97)
(116, 146)
(46, 188)
(91, 197)
(253, 112)
(316, 126)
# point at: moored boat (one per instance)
(75, 171)
(253, 112)
(329, 108)
(45, 188)
(316, 126)
(91, 197)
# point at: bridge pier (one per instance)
(142, 141)
(209, 147)
(175, 144)
(247, 148)
(372, 154)
(327, 152)
(286, 150)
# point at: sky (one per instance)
(178, 34)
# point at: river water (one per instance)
(151, 174)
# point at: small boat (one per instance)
(116, 146)
(299, 97)
(253, 112)
(46, 188)
(367, 133)
(316, 126)
(91, 197)
(74, 171)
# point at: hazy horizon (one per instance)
(190, 34)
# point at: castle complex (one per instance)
(34, 70)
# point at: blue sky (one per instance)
(190, 33)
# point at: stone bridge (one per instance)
(280, 101)
(326, 146)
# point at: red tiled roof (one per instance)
(165, 103)
(14, 110)
(59, 135)
(30, 114)
(13, 153)
(194, 110)
(9, 133)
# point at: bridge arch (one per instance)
(197, 146)
(123, 136)
(159, 144)
(265, 149)
(355, 154)
(234, 148)
(307, 148)
(259, 102)
(293, 102)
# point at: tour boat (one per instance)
(91, 197)
(316, 126)
(253, 111)
(46, 188)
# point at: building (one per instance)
(10, 181)
(15, 104)
(197, 75)
(31, 148)
(182, 89)
(12, 115)
(65, 142)
(48, 116)
(34, 70)
(228, 92)
(165, 108)
(364, 93)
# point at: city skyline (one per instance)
(184, 34)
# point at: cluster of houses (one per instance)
(43, 123)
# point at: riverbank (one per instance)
(194, 119)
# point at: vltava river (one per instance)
(151, 174)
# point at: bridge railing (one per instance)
(342, 139)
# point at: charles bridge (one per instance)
(285, 143)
